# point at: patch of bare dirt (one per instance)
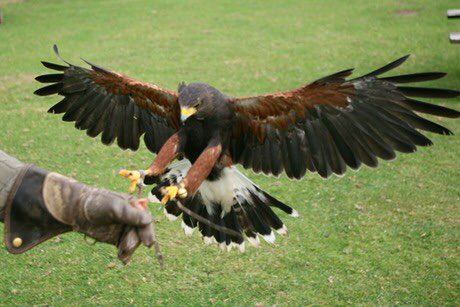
(406, 13)
(3, 2)
(14, 80)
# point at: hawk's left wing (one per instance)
(334, 122)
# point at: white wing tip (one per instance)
(169, 216)
(254, 241)
(230, 246)
(153, 199)
(283, 230)
(187, 229)
(223, 246)
(208, 240)
(270, 238)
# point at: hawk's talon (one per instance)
(136, 178)
(170, 192)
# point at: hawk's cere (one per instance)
(321, 127)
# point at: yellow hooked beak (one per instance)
(186, 113)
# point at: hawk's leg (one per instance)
(196, 174)
(167, 154)
(202, 167)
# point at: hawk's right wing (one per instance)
(103, 101)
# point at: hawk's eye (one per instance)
(196, 105)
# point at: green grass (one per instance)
(385, 236)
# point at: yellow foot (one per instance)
(136, 178)
(170, 192)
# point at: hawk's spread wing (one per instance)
(107, 102)
(334, 122)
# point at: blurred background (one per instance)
(385, 236)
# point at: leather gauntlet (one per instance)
(27, 219)
(41, 205)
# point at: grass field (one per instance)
(384, 236)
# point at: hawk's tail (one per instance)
(231, 200)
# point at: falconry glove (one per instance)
(41, 204)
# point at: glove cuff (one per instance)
(27, 219)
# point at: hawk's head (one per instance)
(199, 100)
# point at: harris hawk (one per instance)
(322, 127)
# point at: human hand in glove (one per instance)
(40, 205)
